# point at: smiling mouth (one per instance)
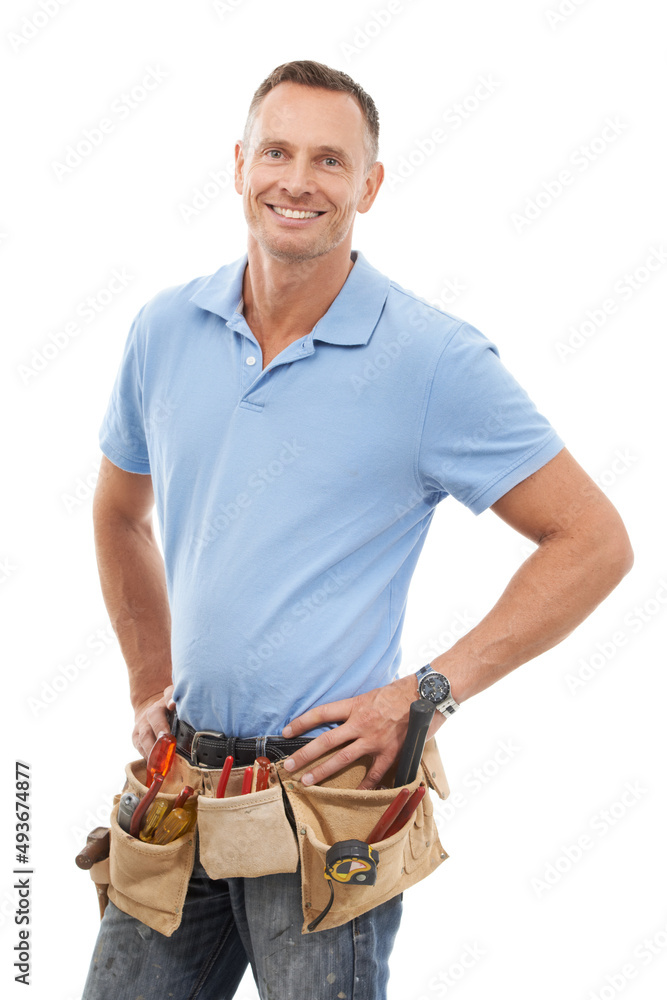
(289, 213)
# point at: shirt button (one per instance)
(250, 360)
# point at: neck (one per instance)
(284, 300)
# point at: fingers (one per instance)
(346, 755)
(150, 721)
(143, 739)
(334, 711)
(316, 748)
(376, 773)
(156, 716)
(168, 699)
(373, 725)
(354, 746)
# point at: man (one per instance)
(293, 495)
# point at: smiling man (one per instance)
(293, 497)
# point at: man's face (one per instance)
(306, 153)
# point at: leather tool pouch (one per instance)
(150, 881)
(335, 810)
(244, 836)
(269, 832)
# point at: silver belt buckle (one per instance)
(195, 741)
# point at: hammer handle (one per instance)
(96, 849)
(421, 713)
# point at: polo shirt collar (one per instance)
(350, 319)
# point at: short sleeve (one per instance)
(122, 434)
(482, 434)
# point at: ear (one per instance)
(239, 162)
(371, 187)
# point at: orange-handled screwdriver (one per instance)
(160, 757)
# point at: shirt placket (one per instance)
(252, 374)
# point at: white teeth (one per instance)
(289, 214)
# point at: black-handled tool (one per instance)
(421, 713)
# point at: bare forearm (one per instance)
(133, 584)
(583, 552)
(551, 593)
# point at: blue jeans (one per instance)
(226, 924)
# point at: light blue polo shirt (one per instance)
(293, 502)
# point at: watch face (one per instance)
(435, 687)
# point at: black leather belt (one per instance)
(209, 749)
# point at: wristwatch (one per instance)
(436, 688)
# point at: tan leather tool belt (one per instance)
(272, 831)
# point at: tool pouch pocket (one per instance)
(244, 836)
(335, 810)
(149, 881)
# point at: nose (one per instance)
(298, 177)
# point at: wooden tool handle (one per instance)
(96, 849)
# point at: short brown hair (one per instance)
(315, 74)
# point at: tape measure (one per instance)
(351, 862)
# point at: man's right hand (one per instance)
(150, 719)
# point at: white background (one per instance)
(451, 219)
